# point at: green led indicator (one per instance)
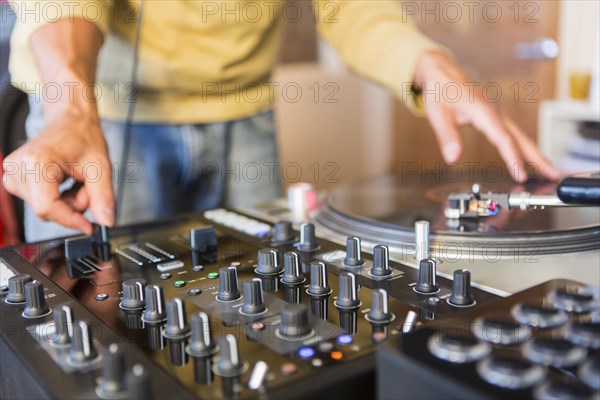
(213, 275)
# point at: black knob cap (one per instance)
(111, 384)
(139, 386)
(347, 297)
(201, 343)
(253, 298)
(381, 261)
(133, 294)
(35, 302)
(318, 280)
(267, 262)
(176, 326)
(82, 351)
(379, 312)
(228, 284)
(308, 239)
(461, 289)
(16, 288)
(63, 325)
(292, 274)
(155, 304)
(427, 282)
(283, 231)
(353, 252)
(229, 364)
(294, 321)
(203, 239)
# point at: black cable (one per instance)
(130, 111)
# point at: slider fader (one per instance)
(212, 305)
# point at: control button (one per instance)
(461, 289)
(169, 265)
(288, 369)
(257, 326)
(292, 274)
(203, 239)
(379, 337)
(201, 343)
(294, 323)
(139, 385)
(381, 261)
(155, 301)
(101, 297)
(458, 349)
(510, 373)
(111, 385)
(258, 375)
(238, 222)
(559, 353)
(337, 355)
(82, 352)
(133, 294)
(353, 252)
(500, 330)
(179, 284)
(283, 232)
(344, 339)
(308, 240)
(586, 334)
(198, 268)
(228, 284)
(319, 285)
(589, 373)
(306, 352)
(554, 390)
(63, 325)
(574, 299)
(194, 292)
(433, 300)
(16, 288)
(3, 289)
(410, 322)
(254, 303)
(165, 276)
(379, 312)
(212, 275)
(325, 347)
(176, 326)
(35, 302)
(267, 262)
(348, 298)
(229, 363)
(317, 362)
(427, 282)
(539, 316)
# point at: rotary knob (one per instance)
(461, 289)
(229, 364)
(353, 252)
(111, 384)
(176, 326)
(139, 385)
(133, 294)
(379, 312)
(283, 232)
(292, 274)
(35, 302)
(267, 262)
(82, 351)
(254, 303)
(294, 322)
(427, 282)
(63, 325)
(308, 239)
(154, 300)
(381, 261)
(348, 297)
(319, 285)
(16, 288)
(228, 284)
(201, 343)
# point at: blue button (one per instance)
(306, 352)
(344, 339)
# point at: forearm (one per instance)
(66, 54)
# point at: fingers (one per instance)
(444, 126)
(76, 198)
(100, 191)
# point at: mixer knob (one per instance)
(294, 321)
(16, 288)
(35, 302)
(461, 289)
(139, 386)
(253, 298)
(427, 277)
(201, 343)
(353, 252)
(176, 326)
(291, 269)
(229, 364)
(347, 297)
(63, 325)
(381, 261)
(283, 231)
(133, 294)
(203, 239)
(318, 280)
(228, 284)
(422, 240)
(82, 351)
(267, 262)
(379, 312)
(155, 301)
(308, 240)
(111, 384)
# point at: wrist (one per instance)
(427, 64)
(70, 95)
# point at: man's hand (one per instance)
(434, 70)
(71, 146)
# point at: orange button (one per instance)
(337, 355)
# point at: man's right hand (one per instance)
(71, 146)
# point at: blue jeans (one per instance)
(178, 168)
